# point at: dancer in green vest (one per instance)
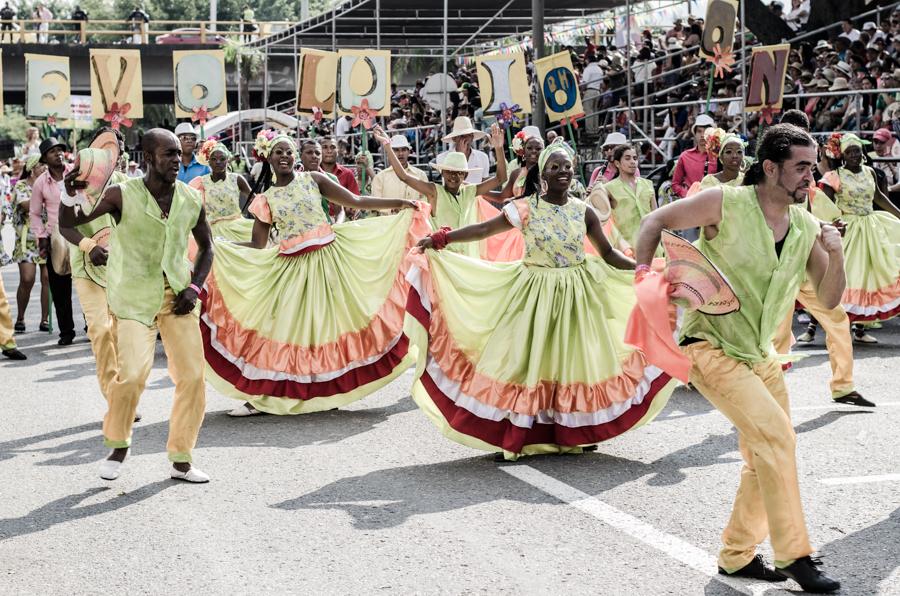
(766, 245)
(151, 288)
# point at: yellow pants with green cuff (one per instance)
(836, 325)
(7, 342)
(754, 398)
(101, 330)
(136, 344)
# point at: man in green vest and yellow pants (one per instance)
(767, 246)
(150, 288)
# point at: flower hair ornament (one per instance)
(210, 146)
(263, 144)
(833, 146)
(713, 137)
(518, 143)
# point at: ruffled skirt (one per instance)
(238, 229)
(315, 331)
(526, 359)
(872, 265)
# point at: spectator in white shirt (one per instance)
(386, 183)
(796, 19)
(43, 14)
(591, 79)
(342, 127)
(462, 139)
(848, 30)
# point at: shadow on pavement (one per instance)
(387, 498)
(66, 509)
(866, 558)
(219, 430)
(598, 472)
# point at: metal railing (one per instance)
(133, 31)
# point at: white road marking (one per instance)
(670, 545)
(861, 479)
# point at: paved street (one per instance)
(372, 499)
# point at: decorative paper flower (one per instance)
(51, 119)
(518, 143)
(362, 114)
(317, 114)
(833, 146)
(767, 114)
(262, 147)
(573, 120)
(713, 137)
(200, 114)
(507, 115)
(116, 115)
(722, 60)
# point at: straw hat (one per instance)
(840, 84)
(185, 128)
(463, 126)
(822, 45)
(822, 84)
(455, 162)
(399, 142)
(703, 120)
(97, 163)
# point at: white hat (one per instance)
(614, 139)
(399, 142)
(869, 25)
(463, 126)
(532, 132)
(840, 84)
(703, 120)
(823, 45)
(185, 128)
(843, 67)
(454, 161)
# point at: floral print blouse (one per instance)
(554, 234)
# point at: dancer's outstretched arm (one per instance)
(337, 194)
(470, 233)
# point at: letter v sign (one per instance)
(116, 78)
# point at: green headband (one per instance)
(850, 140)
(282, 138)
(557, 146)
(32, 160)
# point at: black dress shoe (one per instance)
(45, 327)
(19, 327)
(756, 569)
(66, 340)
(854, 399)
(14, 354)
(806, 573)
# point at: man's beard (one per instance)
(793, 193)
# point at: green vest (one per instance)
(456, 212)
(744, 250)
(76, 257)
(148, 252)
(632, 205)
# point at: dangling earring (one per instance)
(543, 186)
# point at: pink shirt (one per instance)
(44, 195)
(692, 167)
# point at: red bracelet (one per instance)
(439, 239)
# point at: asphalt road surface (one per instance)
(372, 499)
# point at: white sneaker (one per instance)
(193, 475)
(806, 338)
(243, 411)
(109, 469)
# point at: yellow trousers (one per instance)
(7, 341)
(136, 344)
(101, 330)
(754, 398)
(836, 325)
